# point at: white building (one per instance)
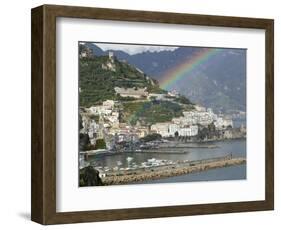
(188, 131)
(131, 92)
(173, 93)
(173, 128)
(86, 53)
(167, 129)
(109, 66)
(111, 56)
(105, 109)
(109, 104)
(197, 117)
(222, 123)
(113, 118)
(100, 110)
(157, 96)
(83, 54)
(161, 128)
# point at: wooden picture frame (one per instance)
(43, 207)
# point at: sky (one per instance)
(133, 49)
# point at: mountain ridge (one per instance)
(220, 85)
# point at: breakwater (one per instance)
(165, 171)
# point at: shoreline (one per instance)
(175, 144)
(160, 172)
(212, 140)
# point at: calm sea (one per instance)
(236, 147)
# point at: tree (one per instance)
(83, 141)
(100, 144)
(212, 127)
(229, 127)
(151, 137)
(89, 176)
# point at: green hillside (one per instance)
(151, 112)
(99, 75)
(97, 84)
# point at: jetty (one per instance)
(189, 145)
(162, 151)
(164, 171)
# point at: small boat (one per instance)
(151, 160)
(129, 159)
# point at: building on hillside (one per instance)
(196, 117)
(111, 56)
(223, 123)
(86, 53)
(167, 129)
(106, 108)
(131, 92)
(161, 128)
(200, 108)
(227, 134)
(109, 104)
(157, 96)
(100, 110)
(142, 132)
(173, 93)
(188, 131)
(109, 66)
(173, 128)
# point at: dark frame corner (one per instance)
(43, 188)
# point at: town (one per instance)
(102, 124)
(128, 114)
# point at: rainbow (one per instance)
(182, 70)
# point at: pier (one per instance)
(171, 170)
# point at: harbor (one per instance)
(155, 167)
(158, 169)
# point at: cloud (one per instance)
(133, 49)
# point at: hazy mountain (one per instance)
(219, 83)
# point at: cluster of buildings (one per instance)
(108, 127)
(107, 113)
(127, 133)
(169, 129)
(189, 124)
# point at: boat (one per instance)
(129, 159)
(151, 160)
